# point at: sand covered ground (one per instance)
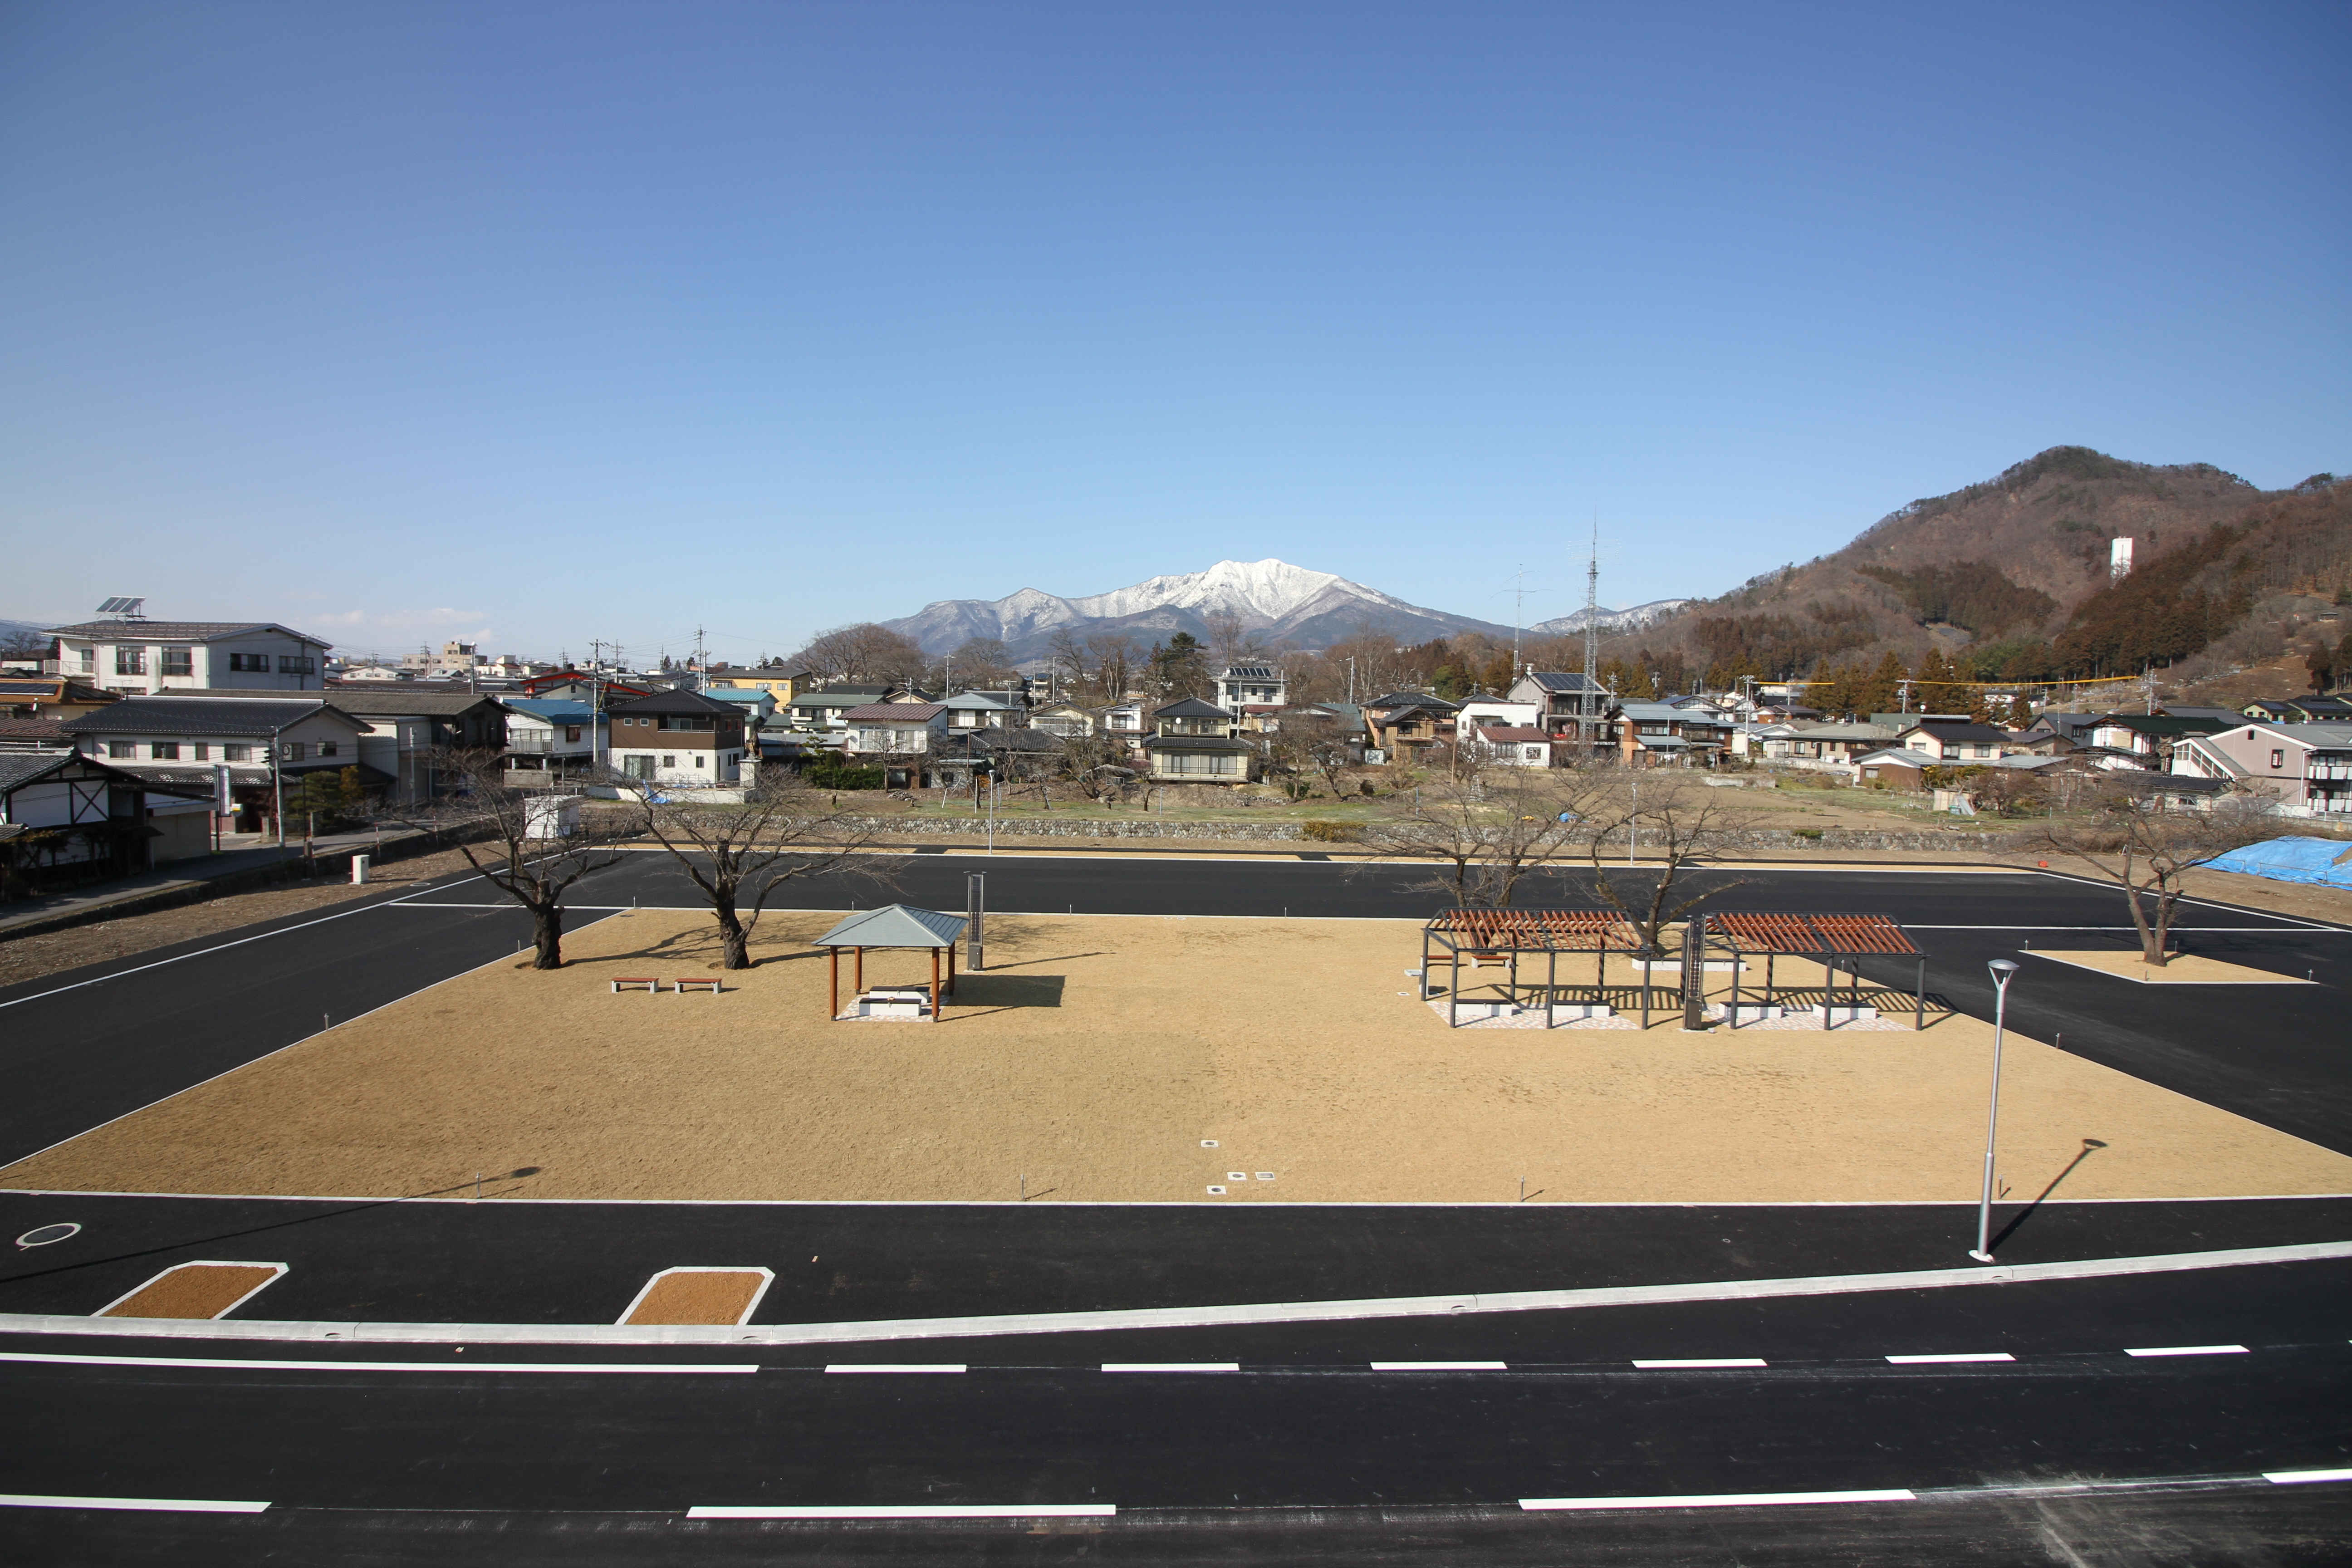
(1101, 1058)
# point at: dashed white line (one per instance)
(1715, 1499)
(1697, 1363)
(1949, 1359)
(324, 1365)
(2301, 1478)
(1440, 1366)
(137, 1504)
(2190, 1349)
(854, 1366)
(1171, 1366)
(946, 1511)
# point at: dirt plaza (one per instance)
(1138, 1059)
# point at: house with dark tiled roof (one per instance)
(1192, 742)
(49, 696)
(150, 656)
(263, 743)
(680, 738)
(894, 728)
(63, 813)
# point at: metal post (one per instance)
(836, 1010)
(975, 899)
(1920, 1019)
(2002, 969)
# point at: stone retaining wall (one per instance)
(1750, 841)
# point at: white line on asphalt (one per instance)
(1440, 1366)
(895, 1366)
(2300, 1478)
(1679, 1365)
(2191, 1350)
(140, 1504)
(948, 1510)
(1943, 1359)
(223, 1365)
(1715, 1499)
(1206, 1317)
(1171, 1366)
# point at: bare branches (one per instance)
(739, 855)
(2138, 841)
(533, 847)
(1486, 835)
(861, 653)
(1671, 822)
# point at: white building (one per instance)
(143, 658)
(1251, 686)
(264, 743)
(894, 728)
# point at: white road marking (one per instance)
(1943, 1359)
(138, 1504)
(1440, 1366)
(216, 1364)
(2300, 1478)
(859, 1367)
(949, 1511)
(1171, 1366)
(1717, 1500)
(873, 1330)
(2190, 1350)
(1677, 1365)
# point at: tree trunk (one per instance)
(734, 942)
(547, 931)
(2154, 931)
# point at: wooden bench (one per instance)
(650, 984)
(680, 985)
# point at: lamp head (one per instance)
(2002, 969)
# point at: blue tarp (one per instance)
(2327, 862)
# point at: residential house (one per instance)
(781, 681)
(1120, 719)
(406, 723)
(150, 656)
(2298, 710)
(983, 711)
(49, 696)
(1832, 747)
(1246, 686)
(1950, 742)
(1649, 734)
(1192, 742)
(1562, 698)
(550, 741)
(1018, 753)
(2308, 767)
(63, 811)
(894, 729)
(824, 709)
(2147, 742)
(1512, 746)
(1405, 725)
(263, 743)
(759, 708)
(585, 686)
(679, 738)
(1480, 711)
(1063, 718)
(1891, 767)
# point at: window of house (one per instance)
(200, 751)
(179, 661)
(236, 753)
(249, 663)
(293, 751)
(291, 664)
(2278, 758)
(89, 657)
(165, 750)
(670, 762)
(121, 749)
(131, 661)
(572, 732)
(326, 748)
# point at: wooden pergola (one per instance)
(1834, 942)
(1504, 934)
(892, 926)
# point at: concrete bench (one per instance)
(706, 984)
(646, 981)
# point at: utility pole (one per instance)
(1518, 614)
(1584, 724)
(701, 661)
(1904, 685)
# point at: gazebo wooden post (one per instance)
(835, 989)
(934, 986)
(1735, 983)
(950, 969)
(1551, 984)
(1453, 991)
(858, 970)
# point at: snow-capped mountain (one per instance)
(1611, 620)
(1289, 602)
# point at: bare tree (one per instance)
(863, 652)
(979, 662)
(1307, 743)
(532, 849)
(2144, 846)
(739, 855)
(1488, 834)
(1097, 764)
(1679, 822)
(1230, 641)
(1117, 661)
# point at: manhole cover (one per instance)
(42, 1235)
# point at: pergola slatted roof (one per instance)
(1534, 931)
(1794, 934)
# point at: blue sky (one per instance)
(546, 322)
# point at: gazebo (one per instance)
(892, 925)
(1506, 934)
(1835, 942)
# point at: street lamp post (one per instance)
(2002, 970)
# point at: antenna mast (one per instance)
(1592, 636)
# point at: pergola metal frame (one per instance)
(1829, 938)
(1508, 933)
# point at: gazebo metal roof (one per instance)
(894, 925)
